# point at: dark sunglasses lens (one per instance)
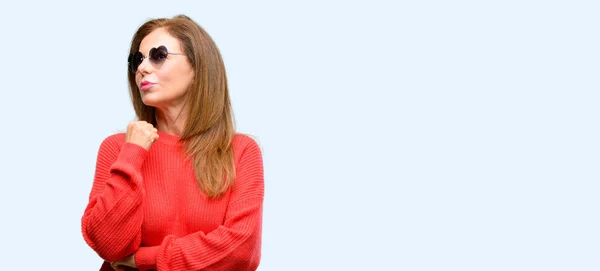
(134, 61)
(158, 55)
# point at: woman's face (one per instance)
(163, 85)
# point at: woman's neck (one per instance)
(171, 121)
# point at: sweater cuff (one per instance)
(145, 258)
(133, 154)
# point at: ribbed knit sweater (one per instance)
(148, 202)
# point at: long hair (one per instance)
(209, 129)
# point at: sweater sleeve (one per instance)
(235, 245)
(112, 220)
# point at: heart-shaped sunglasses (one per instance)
(157, 58)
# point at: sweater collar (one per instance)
(168, 139)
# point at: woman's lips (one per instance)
(146, 85)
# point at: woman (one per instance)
(180, 190)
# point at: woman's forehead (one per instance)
(157, 38)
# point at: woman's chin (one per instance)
(148, 101)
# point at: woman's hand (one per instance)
(124, 264)
(141, 133)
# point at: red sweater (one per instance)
(149, 203)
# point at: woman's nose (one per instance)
(144, 67)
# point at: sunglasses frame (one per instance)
(154, 61)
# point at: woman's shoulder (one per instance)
(112, 143)
(115, 137)
(243, 141)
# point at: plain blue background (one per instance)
(398, 135)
